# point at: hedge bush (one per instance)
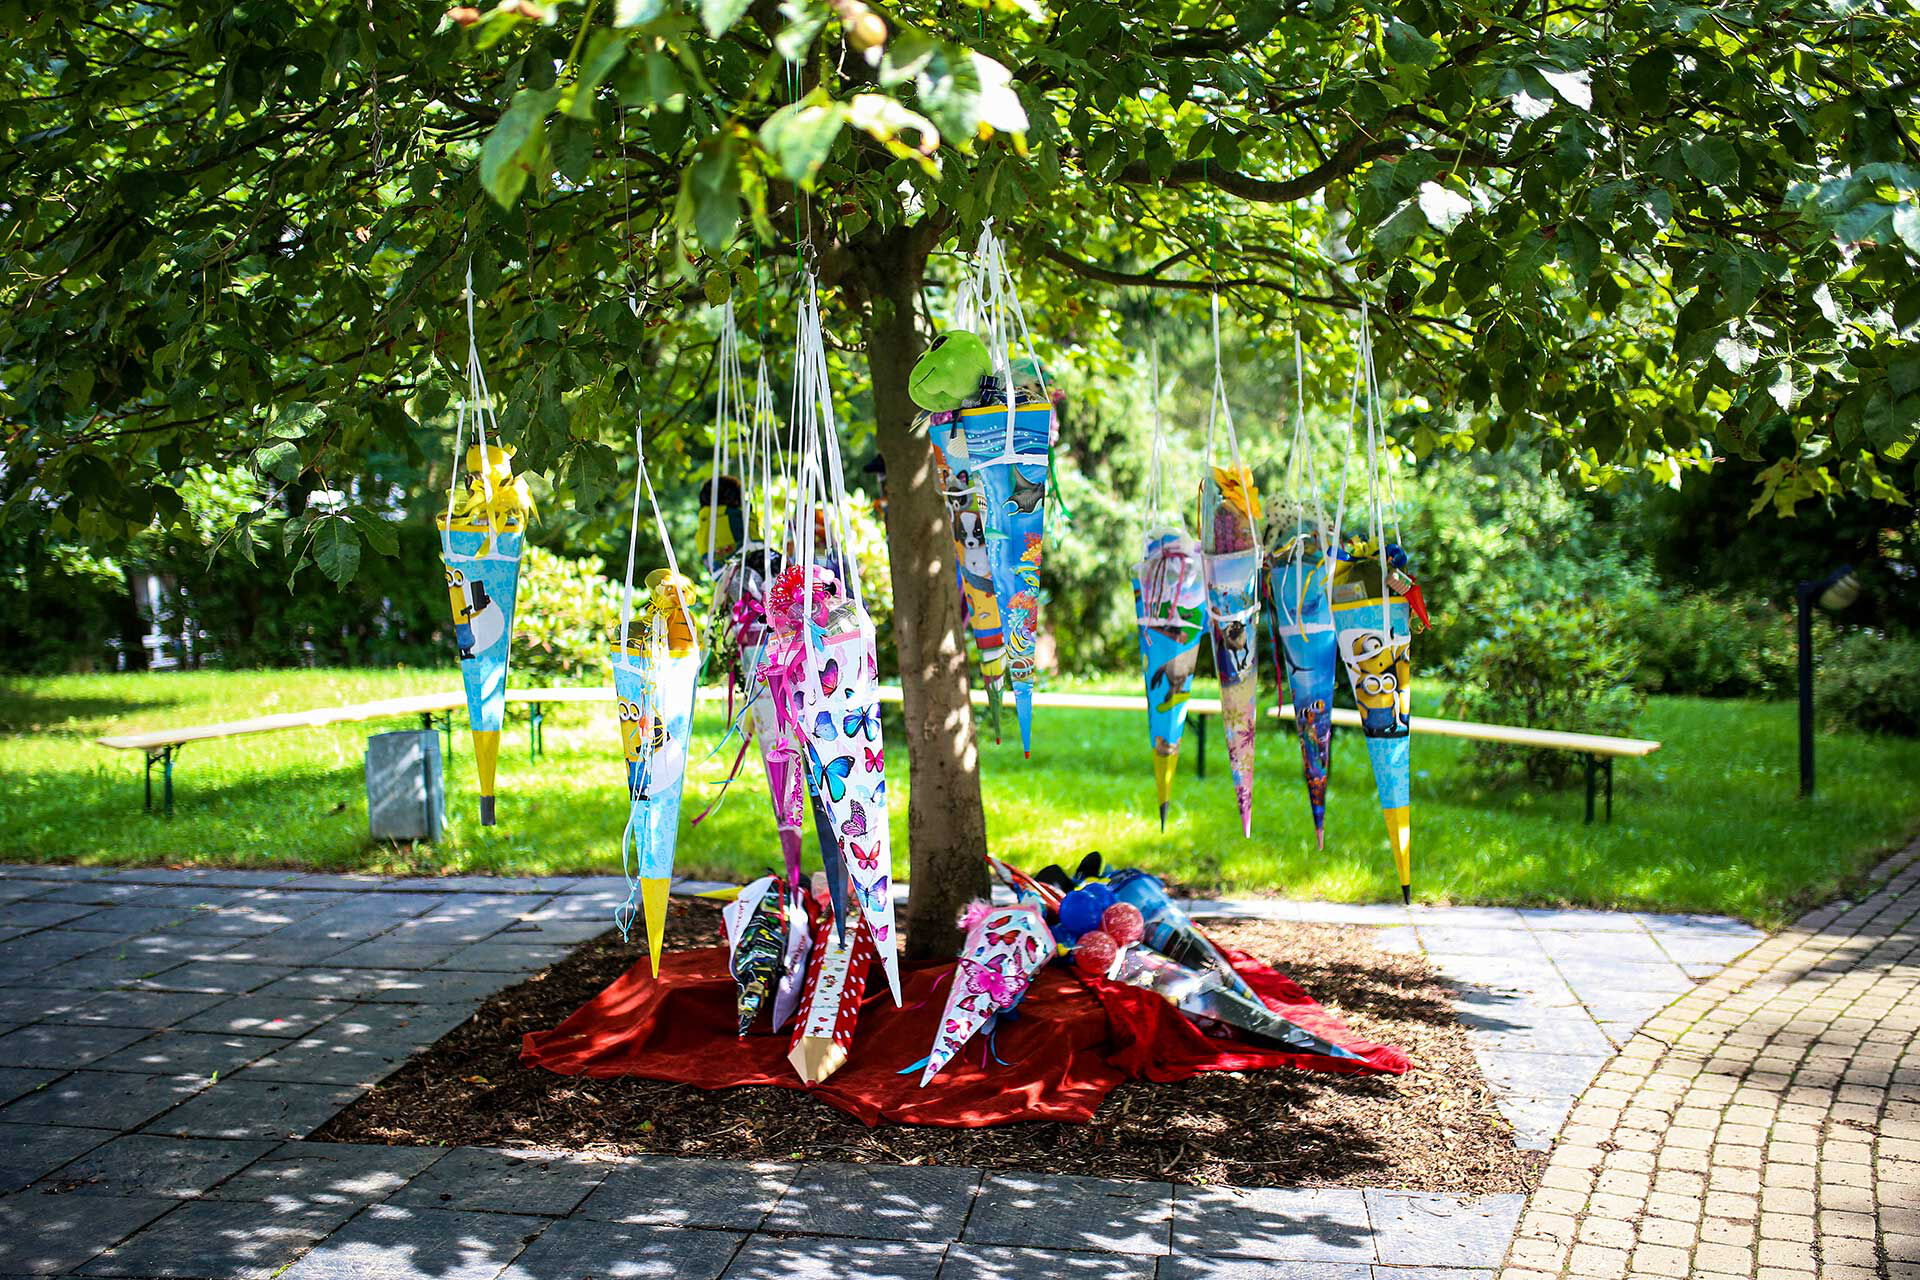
(1558, 664)
(1869, 681)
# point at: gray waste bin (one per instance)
(406, 798)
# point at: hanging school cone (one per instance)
(1230, 554)
(839, 714)
(656, 664)
(966, 511)
(482, 534)
(1169, 602)
(1007, 443)
(1373, 630)
(1306, 655)
(1004, 950)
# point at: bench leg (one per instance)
(1593, 764)
(1609, 768)
(164, 758)
(1199, 746)
(536, 744)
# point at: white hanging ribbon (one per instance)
(477, 404)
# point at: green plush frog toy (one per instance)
(949, 372)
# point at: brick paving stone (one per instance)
(42, 1234)
(394, 1242)
(211, 1240)
(1065, 1211)
(581, 1247)
(723, 1194)
(1320, 1225)
(552, 1183)
(882, 1202)
(1776, 1140)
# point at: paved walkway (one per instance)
(168, 1039)
(1767, 1125)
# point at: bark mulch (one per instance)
(1433, 1129)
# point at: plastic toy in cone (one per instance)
(1205, 998)
(1004, 950)
(769, 933)
(1168, 930)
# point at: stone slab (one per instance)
(210, 1240)
(188, 1053)
(245, 1108)
(393, 1242)
(1065, 1211)
(29, 1152)
(62, 1046)
(826, 1258)
(327, 1173)
(42, 1234)
(151, 1010)
(1425, 1229)
(262, 1016)
(140, 1164)
(882, 1202)
(722, 1194)
(110, 1100)
(1297, 1224)
(999, 1262)
(1204, 1267)
(575, 1248)
(551, 1183)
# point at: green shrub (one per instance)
(564, 616)
(1562, 664)
(1711, 646)
(1869, 681)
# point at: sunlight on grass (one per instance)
(1710, 823)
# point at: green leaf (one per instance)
(1442, 208)
(336, 550)
(710, 193)
(718, 16)
(1906, 224)
(591, 472)
(800, 137)
(380, 533)
(804, 21)
(1574, 87)
(295, 420)
(1737, 354)
(905, 57)
(605, 49)
(506, 161)
(631, 13)
(1408, 47)
(281, 460)
(1649, 80)
(1713, 160)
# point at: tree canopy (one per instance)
(1640, 234)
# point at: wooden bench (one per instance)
(436, 709)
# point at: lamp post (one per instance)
(1833, 593)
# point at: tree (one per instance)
(1633, 235)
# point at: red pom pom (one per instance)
(1124, 922)
(1094, 952)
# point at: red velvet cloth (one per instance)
(1071, 1042)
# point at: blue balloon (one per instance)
(1080, 911)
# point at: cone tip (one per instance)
(1406, 894)
(1163, 815)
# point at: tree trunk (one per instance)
(946, 826)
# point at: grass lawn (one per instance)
(1710, 823)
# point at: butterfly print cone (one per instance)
(1230, 508)
(1004, 950)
